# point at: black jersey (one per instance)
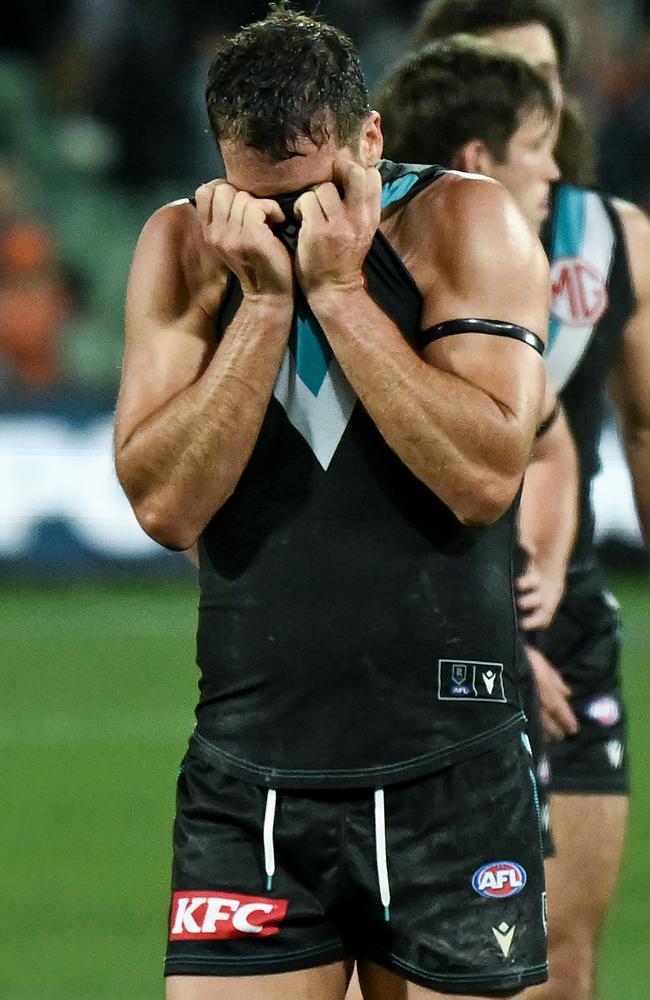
(351, 630)
(592, 299)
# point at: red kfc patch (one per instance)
(211, 916)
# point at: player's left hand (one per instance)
(539, 593)
(337, 229)
(557, 717)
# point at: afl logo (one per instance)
(605, 710)
(499, 879)
(578, 292)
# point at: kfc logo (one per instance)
(205, 916)
(578, 290)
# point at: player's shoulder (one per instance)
(170, 226)
(635, 223)
(636, 230)
(472, 208)
(171, 244)
(460, 192)
(173, 268)
(480, 218)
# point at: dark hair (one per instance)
(575, 151)
(456, 90)
(285, 78)
(448, 17)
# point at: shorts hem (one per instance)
(494, 984)
(257, 965)
(587, 786)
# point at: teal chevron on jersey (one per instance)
(570, 228)
(313, 391)
(581, 258)
(312, 351)
(396, 189)
(311, 387)
(568, 239)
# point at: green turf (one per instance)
(624, 959)
(97, 697)
(101, 683)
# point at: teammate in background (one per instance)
(548, 50)
(599, 250)
(513, 142)
(346, 439)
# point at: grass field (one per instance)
(98, 692)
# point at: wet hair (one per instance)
(474, 17)
(283, 79)
(456, 90)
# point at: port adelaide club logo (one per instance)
(499, 879)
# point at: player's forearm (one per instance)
(181, 464)
(460, 442)
(548, 514)
(637, 448)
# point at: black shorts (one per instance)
(530, 706)
(438, 879)
(584, 643)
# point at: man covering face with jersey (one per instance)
(332, 382)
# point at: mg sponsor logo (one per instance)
(204, 916)
(499, 879)
(579, 293)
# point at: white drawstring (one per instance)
(269, 851)
(380, 850)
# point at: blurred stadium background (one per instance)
(101, 121)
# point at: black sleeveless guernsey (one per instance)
(592, 300)
(351, 631)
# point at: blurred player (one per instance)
(537, 30)
(346, 439)
(600, 268)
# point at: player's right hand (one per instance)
(539, 592)
(557, 717)
(237, 226)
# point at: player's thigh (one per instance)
(380, 984)
(354, 989)
(589, 833)
(327, 982)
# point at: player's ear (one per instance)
(474, 157)
(371, 144)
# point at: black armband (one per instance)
(548, 422)
(490, 326)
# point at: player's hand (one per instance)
(556, 713)
(539, 592)
(339, 220)
(238, 228)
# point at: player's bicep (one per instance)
(503, 357)
(169, 338)
(494, 274)
(630, 374)
(629, 382)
